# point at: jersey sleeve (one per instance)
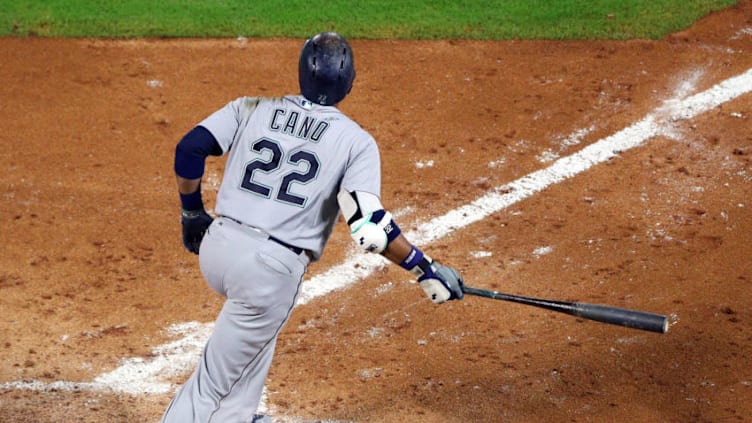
(224, 123)
(363, 171)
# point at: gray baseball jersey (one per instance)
(288, 159)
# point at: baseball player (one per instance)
(294, 163)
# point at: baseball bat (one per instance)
(635, 319)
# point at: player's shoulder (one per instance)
(245, 104)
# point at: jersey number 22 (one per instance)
(275, 162)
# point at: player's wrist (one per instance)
(191, 202)
(417, 262)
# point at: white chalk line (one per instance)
(149, 375)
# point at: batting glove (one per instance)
(441, 283)
(195, 223)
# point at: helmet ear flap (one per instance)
(326, 70)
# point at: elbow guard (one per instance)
(371, 227)
(374, 231)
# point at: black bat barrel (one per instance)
(601, 313)
(618, 316)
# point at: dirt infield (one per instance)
(93, 272)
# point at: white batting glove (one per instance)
(441, 283)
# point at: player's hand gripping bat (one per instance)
(601, 313)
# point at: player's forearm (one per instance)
(187, 186)
(397, 250)
(190, 193)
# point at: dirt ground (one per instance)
(93, 270)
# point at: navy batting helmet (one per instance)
(326, 69)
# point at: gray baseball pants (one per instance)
(260, 279)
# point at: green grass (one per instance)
(416, 19)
